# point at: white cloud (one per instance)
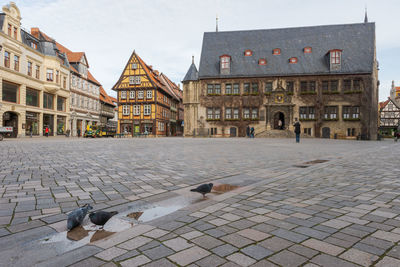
(167, 33)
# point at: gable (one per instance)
(135, 70)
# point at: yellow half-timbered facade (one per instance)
(144, 100)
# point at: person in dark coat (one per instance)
(79, 132)
(252, 132)
(248, 131)
(297, 130)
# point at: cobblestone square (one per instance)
(288, 208)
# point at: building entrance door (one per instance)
(11, 119)
(232, 131)
(326, 132)
(48, 121)
(279, 121)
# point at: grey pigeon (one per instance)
(101, 217)
(75, 218)
(203, 189)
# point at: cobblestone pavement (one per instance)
(317, 203)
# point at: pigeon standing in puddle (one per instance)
(101, 217)
(75, 218)
(203, 189)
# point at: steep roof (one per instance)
(357, 42)
(170, 86)
(192, 74)
(104, 97)
(383, 104)
(91, 78)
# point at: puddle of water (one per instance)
(316, 161)
(222, 188)
(154, 212)
(77, 233)
(100, 234)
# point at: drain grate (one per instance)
(301, 166)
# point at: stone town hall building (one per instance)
(327, 76)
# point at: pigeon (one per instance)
(203, 189)
(101, 217)
(75, 218)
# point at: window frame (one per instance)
(7, 59)
(140, 94)
(149, 94)
(16, 63)
(132, 94)
(147, 110)
(123, 94)
(125, 110)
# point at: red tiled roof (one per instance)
(397, 88)
(91, 78)
(105, 97)
(383, 104)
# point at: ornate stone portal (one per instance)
(279, 108)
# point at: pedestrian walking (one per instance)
(248, 131)
(79, 132)
(297, 130)
(252, 132)
(30, 131)
(46, 131)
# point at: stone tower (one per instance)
(191, 100)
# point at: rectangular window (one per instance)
(303, 87)
(125, 110)
(356, 85)
(32, 97)
(217, 113)
(307, 87)
(228, 89)
(15, 33)
(147, 109)
(209, 113)
(34, 45)
(16, 63)
(123, 94)
(149, 94)
(228, 113)
(48, 100)
(254, 88)
(356, 112)
(335, 57)
(37, 72)
(132, 94)
(254, 113)
(29, 68)
(236, 89)
(60, 103)
(268, 87)
(246, 113)
(140, 94)
(210, 89)
(6, 59)
(10, 92)
(347, 85)
(334, 86)
(9, 29)
(290, 87)
(311, 86)
(346, 112)
(307, 113)
(217, 89)
(236, 113)
(330, 112)
(64, 82)
(131, 80)
(49, 75)
(246, 88)
(137, 80)
(136, 110)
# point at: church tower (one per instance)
(191, 102)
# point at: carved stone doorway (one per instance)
(279, 121)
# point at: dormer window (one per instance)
(262, 61)
(307, 50)
(276, 51)
(225, 64)
(248, 53)
(335, 56)
(293, 60)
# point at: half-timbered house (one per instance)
(145, 101)
(389, 117)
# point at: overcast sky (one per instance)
(166, 33)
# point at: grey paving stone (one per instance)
(160, 263)
(207, 242)
(303, 251)
(297, 238)
(224, 250)
(311, 232)
(275, 243)
(211, 260)
(256, 252)
(158, 252)
(328, 260)
(127, 255)
(287, 258)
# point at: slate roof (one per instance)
(192, 74)
(357, 42)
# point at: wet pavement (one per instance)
(274, 202)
